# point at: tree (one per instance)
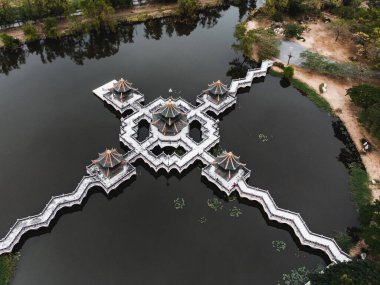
(371, 233)
(9, 41)
(99, 14)
(187, 8)
(258, 43)
(288, 72)
(340, 27)
(356, 272)
(370, 118)
(50, 28)
(30, 32)
(293, 30)
(7, 15)
(364, 95)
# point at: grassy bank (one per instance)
(8, 264)
(316, 98)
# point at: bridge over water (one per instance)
(193, 151)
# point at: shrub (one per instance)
(9, 41)
(356, 272)
(364, 95)
(279, 64)
(361, 193)
(50, 28)
(30, 32)
(7, 266)
(288, 72)
(324, 65)
(293, 30)
(344, 241)
(367, 97)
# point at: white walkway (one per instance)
(193, 151)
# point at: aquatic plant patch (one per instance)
(279, 245)
(215, 204)
(179, 203)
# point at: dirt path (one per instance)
(348, 113)
(319, 37)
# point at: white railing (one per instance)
(294, 220)
(44, 218)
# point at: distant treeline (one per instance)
(13, 11)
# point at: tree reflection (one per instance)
(239, 67)
(11, 59)
(104, 43)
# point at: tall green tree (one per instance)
(260, 43)
(99, 14)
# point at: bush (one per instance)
(324, 65)
(371, 232)
(9, 41)
(277, 17)
(364, 95)
(293, 30)
(356, 272)
(288, 72)
(361, 193)
(30, 32)
(7, 267)
(279, 64)
(50, 28)
(344, 241)
(367, 97)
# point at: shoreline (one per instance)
(335, 96)
(131, 15)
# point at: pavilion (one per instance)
(217, 91)
(227, 165)
(110, 162)
(122, 90)
(169, 119)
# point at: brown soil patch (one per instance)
(320, 38)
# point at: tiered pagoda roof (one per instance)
(217, 91)
(227, 164)
(109, 161)
(122, 89)
(169, 119)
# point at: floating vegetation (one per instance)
(202, 220)
(235, 212)
(179, 203)
(279, 245)
(215, 204)
(297, 276)
(263, 138)
(232, 198)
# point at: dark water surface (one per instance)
(52, 126)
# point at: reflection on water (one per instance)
(53, 124)
(105, 43)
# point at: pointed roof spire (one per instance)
(228, 161)
(122, 86)
(169, 110)
(217, 88)
(109, 158)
